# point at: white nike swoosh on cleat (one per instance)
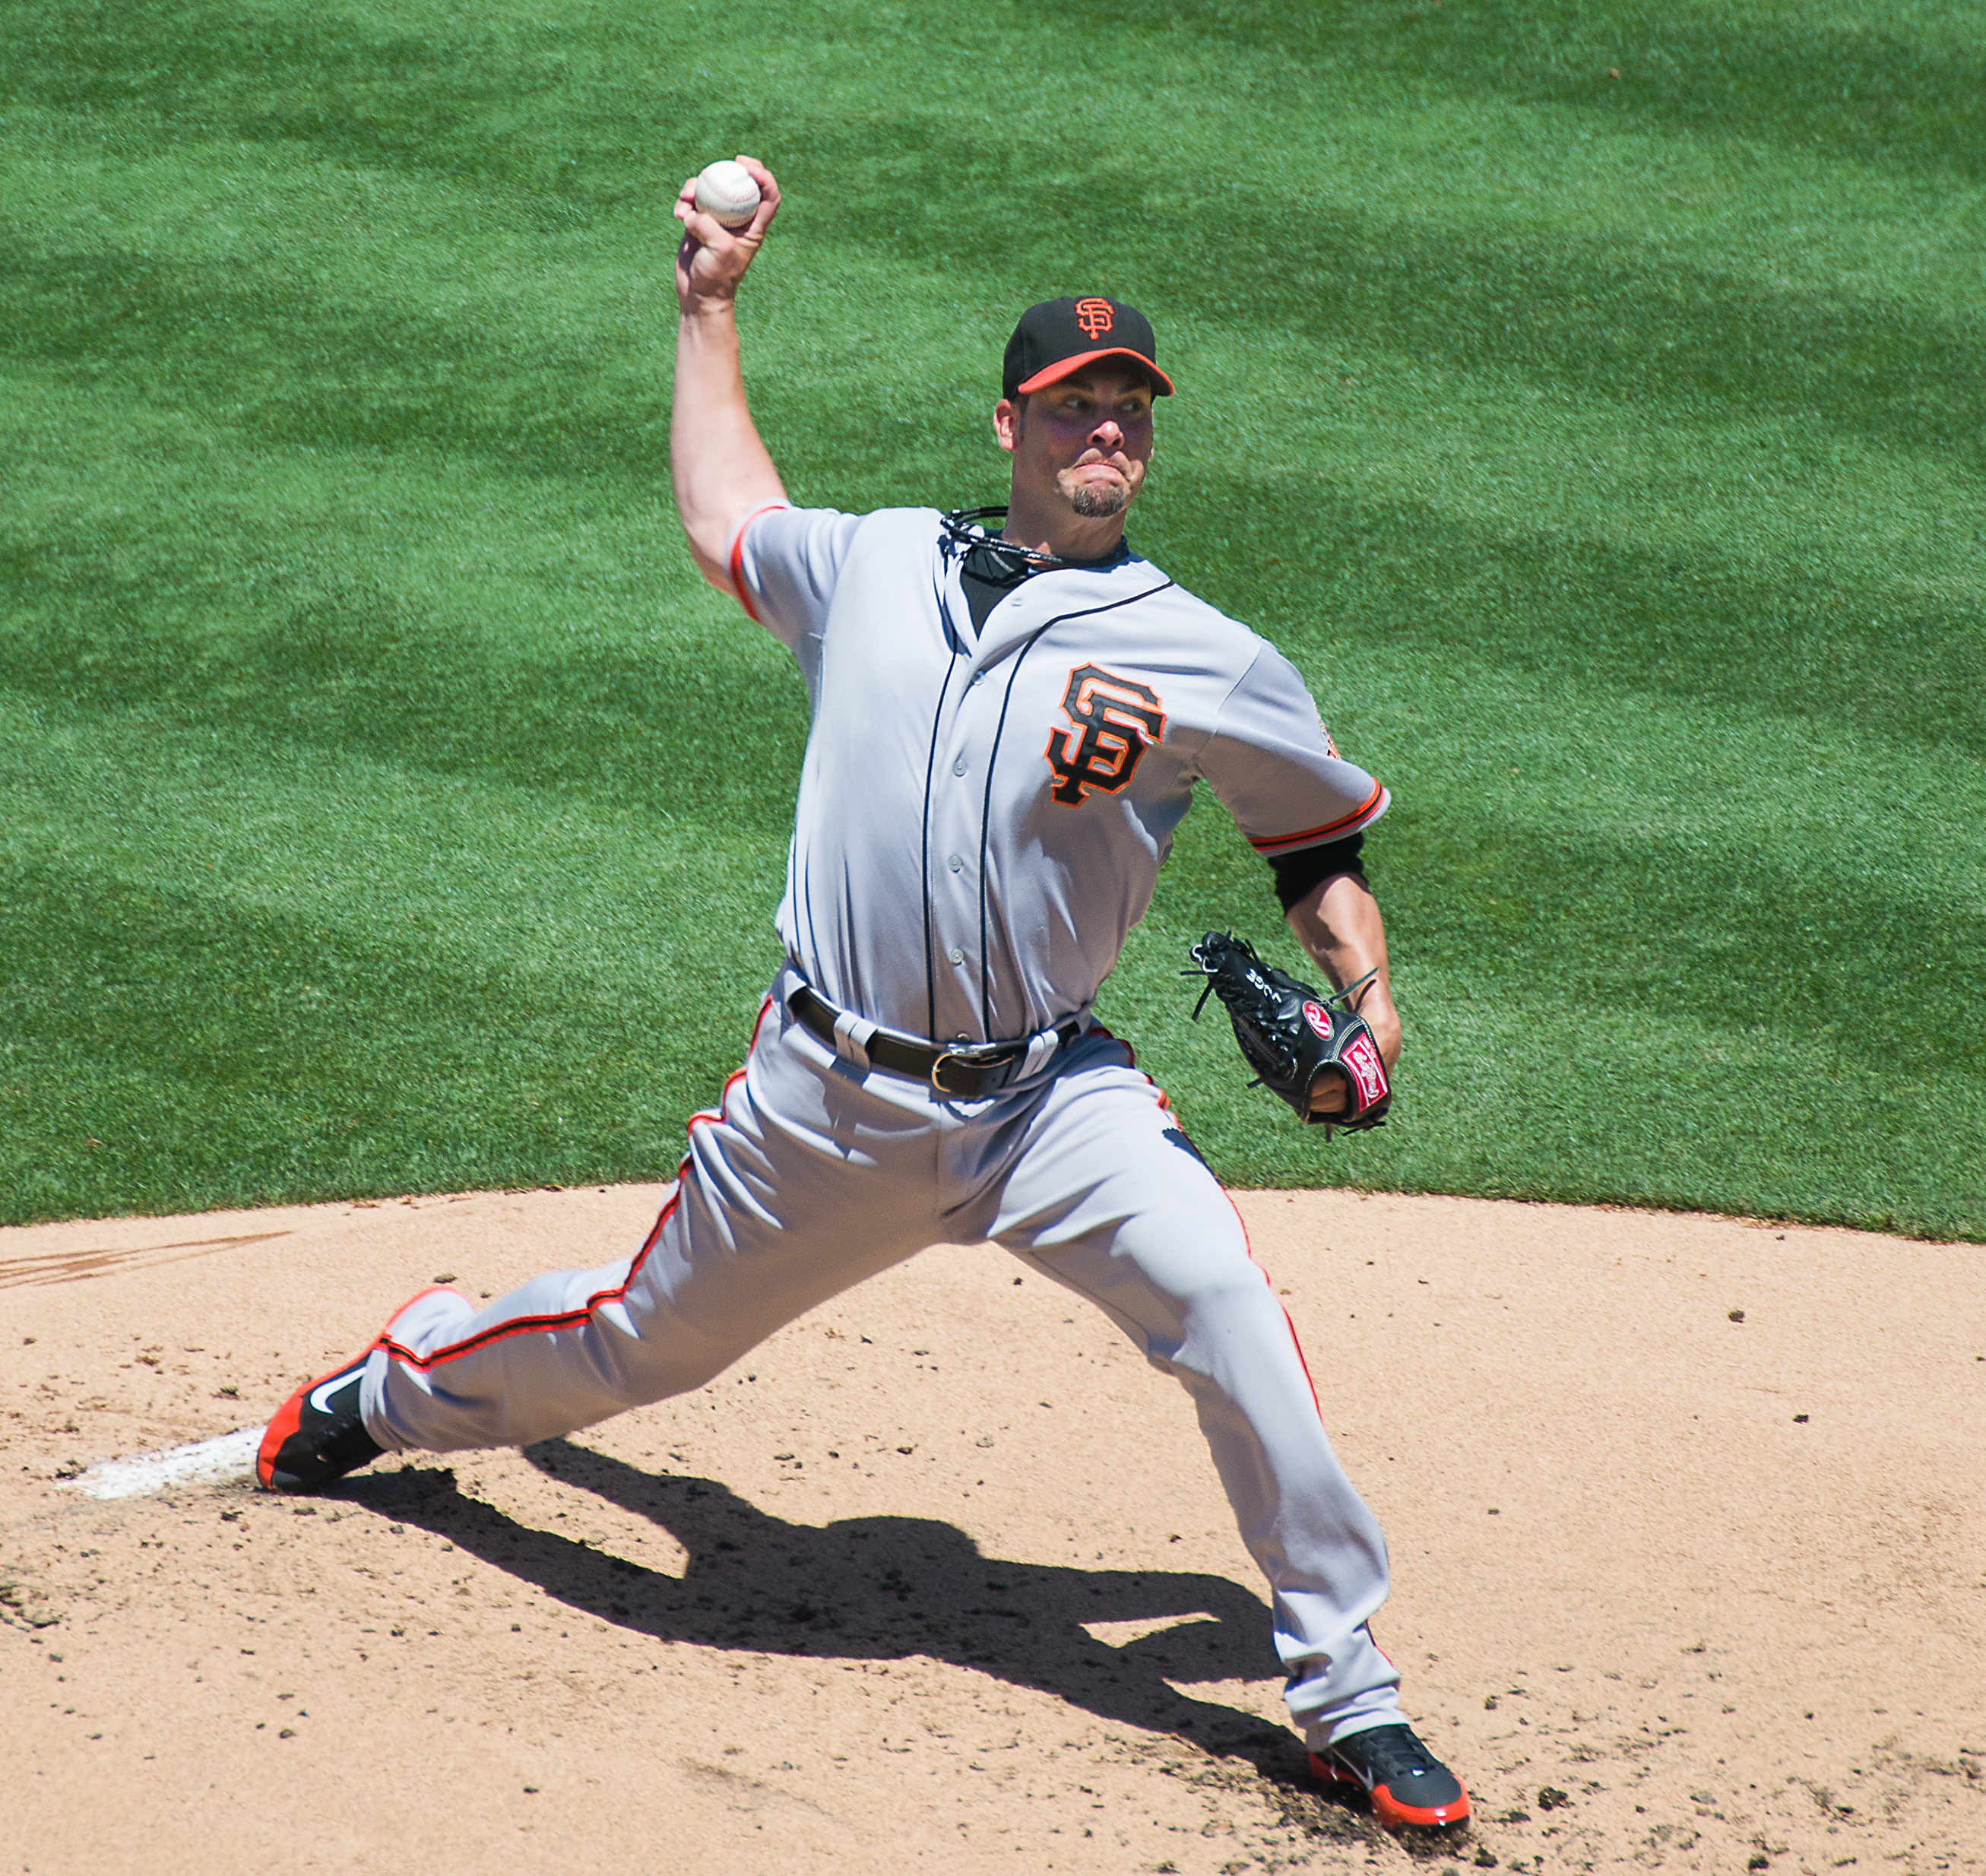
(320, 1396)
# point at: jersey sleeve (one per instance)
(784, 563)
(1272, 763)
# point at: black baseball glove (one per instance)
(1291, 1034)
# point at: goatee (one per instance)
(1095, 502)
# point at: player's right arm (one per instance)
(719, 468)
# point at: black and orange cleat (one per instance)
(316, 1436)
(1409, 1785)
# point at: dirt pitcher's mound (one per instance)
(1688, 1520)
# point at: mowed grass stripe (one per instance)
(165, 1053)
(1538, 923)
(1898, 648)
(532, 882)
(1551, 429)
(286, 1035)
(250, 972)
(1617, 302)
(1774, 484)
(1900, 88)
(306, 656)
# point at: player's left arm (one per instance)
(1337, 922)
(1305, 811)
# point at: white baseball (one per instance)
(726, 193)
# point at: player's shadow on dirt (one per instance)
(879, 1589)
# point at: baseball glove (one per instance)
(1291, 1034)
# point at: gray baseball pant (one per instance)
(813, 1175)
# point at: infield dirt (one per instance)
(1687, 1519)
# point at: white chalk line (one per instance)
(205, 1462)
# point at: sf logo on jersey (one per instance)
(1114, 720)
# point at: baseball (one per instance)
(726, 193)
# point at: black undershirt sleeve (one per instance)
(1305, 870)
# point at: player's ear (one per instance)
(1010, 418)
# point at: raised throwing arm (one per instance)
(719, 468)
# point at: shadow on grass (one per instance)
(886, 1589)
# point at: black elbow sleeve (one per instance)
(1307, 869)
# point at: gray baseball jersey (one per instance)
(982, 816)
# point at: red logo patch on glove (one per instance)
(1290, 1032)
(1362, 1061)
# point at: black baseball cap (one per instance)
(1060, 336)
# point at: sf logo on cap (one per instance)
(1094, 317)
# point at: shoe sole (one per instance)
(1387, 1808)
(289, 1416)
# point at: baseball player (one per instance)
(1007, 721)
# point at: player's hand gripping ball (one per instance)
(726, 193)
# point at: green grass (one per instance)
(1589, 397)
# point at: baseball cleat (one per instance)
(316, 1434)
(1408, 1784)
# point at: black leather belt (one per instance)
(965, 1072)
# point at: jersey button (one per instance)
(956, 955)
(958, 767)
(954, 863)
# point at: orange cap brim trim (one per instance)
(1056, 373)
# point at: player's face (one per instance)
(1087, 438)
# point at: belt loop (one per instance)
(1041, 1047)
(851, 1038)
